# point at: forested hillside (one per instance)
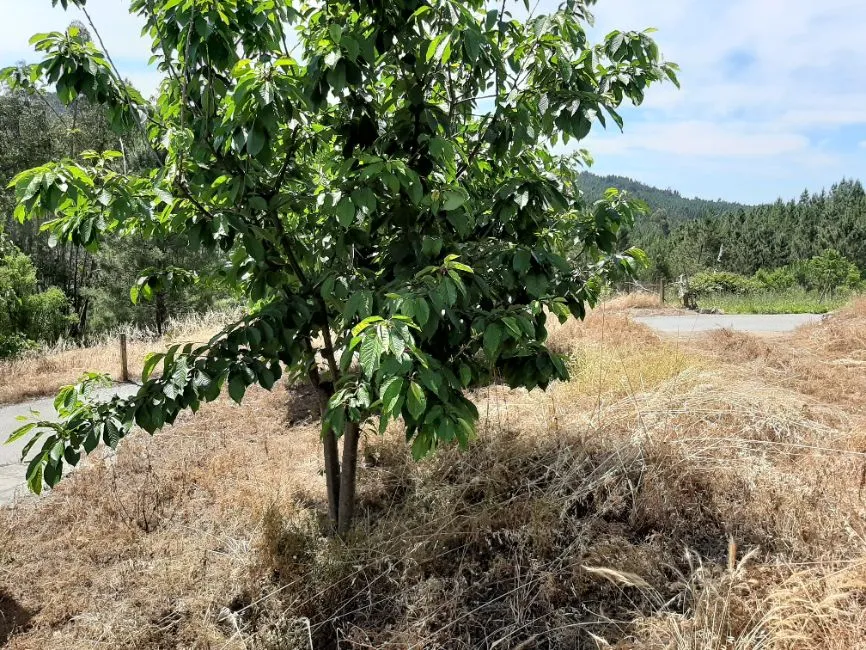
(685, 236)
(668, 203)
(89, 288)
(764, 237)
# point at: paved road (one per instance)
(752, 323)
(12, 483)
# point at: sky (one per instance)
(773, 97)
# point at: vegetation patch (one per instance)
(792, 301)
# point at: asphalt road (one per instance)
(687, 324)
(12, 470)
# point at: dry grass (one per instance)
(826, 361)
(635, 300)
(700, 498)
(42, 373)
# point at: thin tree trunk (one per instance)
(82, 321)
(161, 313)
(329, 442)
(347, 478)
(332, 477)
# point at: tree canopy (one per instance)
(380, 177)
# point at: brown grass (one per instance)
(700, 498)
(42, 373)
(635, 300)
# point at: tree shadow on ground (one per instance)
(13, 617)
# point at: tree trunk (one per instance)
(332, 476)
(324, 390)
(347, 478)
(161, 313)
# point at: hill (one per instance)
(677, 207)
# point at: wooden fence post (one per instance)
(662, 291)
(124, 365)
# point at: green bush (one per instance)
(780, 279)
(832, 271)
(27, 315)
(48, 315)
(709, 283)
(12, 345)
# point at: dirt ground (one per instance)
(681, 495)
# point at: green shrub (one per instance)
(780, 279)
(48, 315)
(26, 315)
(12, 345)
(832, 271)
(714, 282)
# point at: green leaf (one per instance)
(492, 340)
(150, 362)
(237, 387)
(266, 378)
(56, 452)
(392, 389)
(336, 32)
(345, 212)
(453, 199)
(71, 456)
(465, 375)
(437, 46)
(416, 400)
(522, 259)
(536, 285)
(256, 140)
(34, 474)
(422, 311)
(421, 445)
(371, 353)
(20, 433)
(254, 247)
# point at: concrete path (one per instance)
(12, 470)
(687, 324)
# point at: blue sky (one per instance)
(773, 95)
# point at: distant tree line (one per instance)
(667, 206)
(779, 245)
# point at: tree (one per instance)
(26, 314)
(830, 271)
(387, 199)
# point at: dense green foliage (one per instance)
(36, 127)
(387, 202)
(706, 283)
(762, 238)
(27, 315)
(813, 285)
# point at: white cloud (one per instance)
(772, 89)
(700, 140)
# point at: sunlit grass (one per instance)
(789, 302)
(792, 301)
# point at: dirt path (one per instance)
(12, 470)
